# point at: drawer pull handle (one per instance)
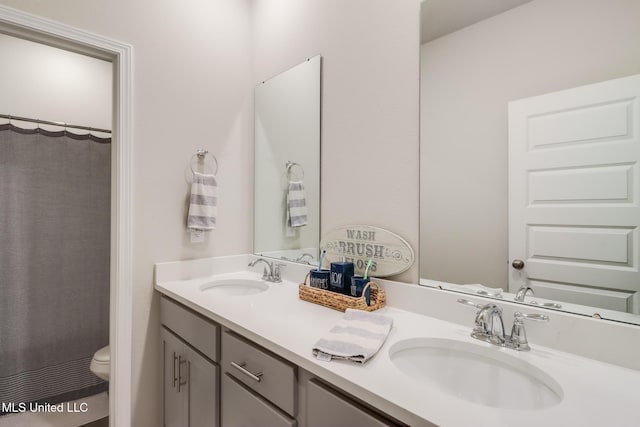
(240, 366)
(181, 381)
(175, 377)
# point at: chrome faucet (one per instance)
(522, 292)
(303, 256)
(489, 326)
(518, 339)
(276, 275)
(271, 271)
(268, 268)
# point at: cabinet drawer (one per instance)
(267, 374)
(241, 407)
(327, 408)
(195, 329)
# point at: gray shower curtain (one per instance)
(54, 263)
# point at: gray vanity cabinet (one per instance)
(241, 407)
(326, 407)
(258, 387)
(190, 384)
(251, 386)
(174, 402)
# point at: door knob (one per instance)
(518, 264)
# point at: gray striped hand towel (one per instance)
(203, 204)
(357, 337)
(296, 205)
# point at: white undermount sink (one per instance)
(235, 287)
(481, 374)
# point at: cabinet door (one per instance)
(203, 390)
(242, 408)
(325, 408)
(174, 398)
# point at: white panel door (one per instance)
(574, 191)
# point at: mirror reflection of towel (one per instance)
(296, 205)
(203, 204)
(480, 290)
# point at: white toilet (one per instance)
(101, 363)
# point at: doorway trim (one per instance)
(60, 35)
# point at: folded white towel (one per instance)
(296, 205)
(203, 204)
(357, 337)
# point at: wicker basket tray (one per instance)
(341, 302)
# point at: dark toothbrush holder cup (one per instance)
(319, 279)
(340, 278)
(358, 285)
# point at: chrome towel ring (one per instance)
(289, 164)
(201, 154)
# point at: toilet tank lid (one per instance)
(103, 355)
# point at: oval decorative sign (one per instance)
(390, 253)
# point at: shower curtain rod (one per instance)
(47, 122)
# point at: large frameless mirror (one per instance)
(498, 90)
(287, 164)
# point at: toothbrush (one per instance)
(324, 251)
(364, 277)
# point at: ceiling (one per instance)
(441, 17)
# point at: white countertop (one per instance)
(595, 393)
